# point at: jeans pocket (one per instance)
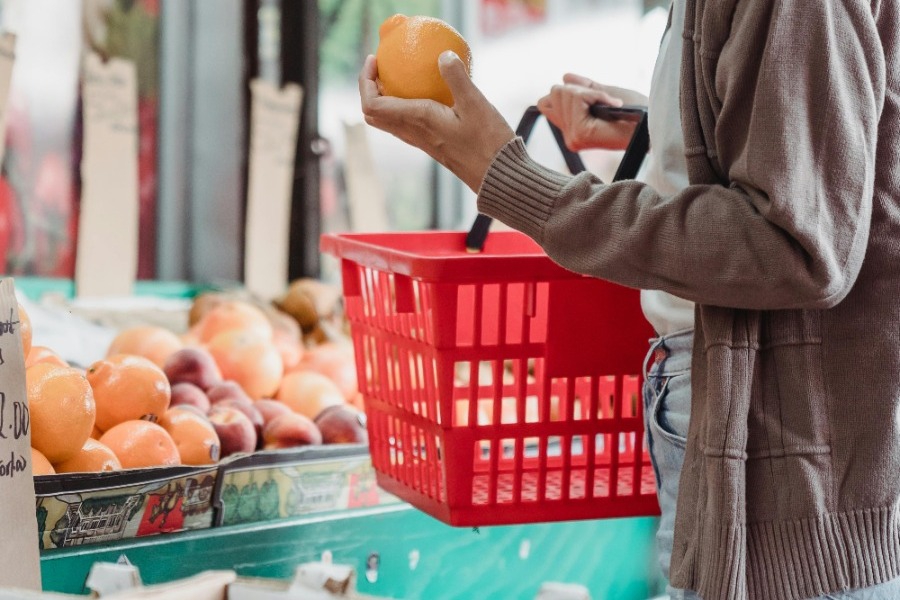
(670, 413)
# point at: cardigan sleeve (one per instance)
(797, 91)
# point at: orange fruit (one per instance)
(291, 351)
(151, 342)
(309, 393)
(25, 329)
(39, 464)
(40, 354)
(195, 436)
(335, 361)
(140, 444)
(62, 409)
(233, 315)
(202, 304)
(407, 57)
(249, 359)
(93, 457)
(128, 387)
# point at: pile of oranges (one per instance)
(121, 413)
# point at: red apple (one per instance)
(193, 365)
(188, 394)
(289, 431)
(342, 425)
(269, 409)
(236, 432)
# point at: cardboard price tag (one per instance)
(7, 59)
(108, 224)
(274, 120)
(19, 556)
(365, 191)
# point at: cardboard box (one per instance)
(89, 508)
(279, 484)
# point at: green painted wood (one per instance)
(419, 557)
(36, 287)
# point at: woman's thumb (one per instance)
(455, 74)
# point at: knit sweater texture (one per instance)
(788, 240)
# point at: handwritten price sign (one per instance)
(19, 558)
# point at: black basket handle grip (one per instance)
(637, 149)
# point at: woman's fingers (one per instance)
(581, 80)
(457, 78)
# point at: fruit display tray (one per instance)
(89, 508)
(281, 484)
(96, 508)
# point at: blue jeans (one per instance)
(667, 413)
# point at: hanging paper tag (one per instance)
(106, 260)
(7, 58)
(19, 556)
(274, 120)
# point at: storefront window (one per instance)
(520, 48)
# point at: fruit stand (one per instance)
(427, 416)
(294, 505)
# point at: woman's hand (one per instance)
(566, 106)
(464, 138)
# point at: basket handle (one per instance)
(637, 149)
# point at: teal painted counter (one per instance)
(418, 557)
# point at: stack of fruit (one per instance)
(244, 377)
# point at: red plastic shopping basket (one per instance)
(499, 387)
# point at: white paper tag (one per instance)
(365, 192)
(107, 578)
(562, 591)
(7, 59)
(328, 577)
(106, 263)
(274, 121)
(19, 556)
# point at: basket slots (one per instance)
(504, 401)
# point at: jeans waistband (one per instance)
(671, 352)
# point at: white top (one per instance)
(665, 167)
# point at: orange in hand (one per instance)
(407, 56)
(140, 444)
(93, 457)
(196, 438)
(151, 342)
(62, 410)
(128, 387)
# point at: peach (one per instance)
(269, 409)
(250, 359)
(193, 365)
(226, 390)
(249, 410)
(188, 394)
(342, 425)
(235, 431)
(289, 431)
(309, 393)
